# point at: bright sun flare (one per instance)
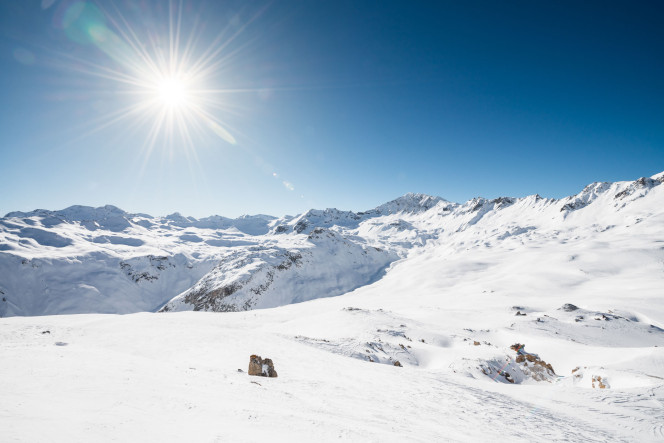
(172, 92)
(167, 76)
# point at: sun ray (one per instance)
(132, 39)
(164, 84)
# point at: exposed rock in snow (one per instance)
(594, 327)
(585, 197)
(639, 186)
(594, 377)
(408, 203)
(325, 264)
(533, 366)
(261, 367)
(568, 307)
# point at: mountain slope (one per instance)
(405, 226)
(85, 259)
(512, 318)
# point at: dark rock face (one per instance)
(300, 226)
(203, 301)
(261, 367)
(501, 202)
(572, 206)
(477, 204)
(568, 307)
(642, 183)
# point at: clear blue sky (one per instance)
(342, 104)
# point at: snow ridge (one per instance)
(84, 259)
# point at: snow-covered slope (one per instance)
(105, 260)
(84, 260)
(326, 265)
(515, 319)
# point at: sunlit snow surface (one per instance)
(445, 306)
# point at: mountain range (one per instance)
(105, 260)
(516, 319)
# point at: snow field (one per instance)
(447, 297)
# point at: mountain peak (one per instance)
(410, 202)
(659, 177)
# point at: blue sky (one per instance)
(342, 104)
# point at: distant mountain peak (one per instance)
(410, 202)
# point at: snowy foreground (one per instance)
(446, 290)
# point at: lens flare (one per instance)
(164, 79)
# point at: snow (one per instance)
(431, 284)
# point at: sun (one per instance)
(166, 79)
(172, 92)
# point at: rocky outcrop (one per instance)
(268, 276)
(642, 183)
(533, 366)
(598, 379)
(261, 367)
(569, 307)
(502, 202)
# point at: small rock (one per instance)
(46, 332)
(261, 367)
(569, 307)
(240, 370)
(476, 343)
(397, 363)
(519, 313)
(600, 384)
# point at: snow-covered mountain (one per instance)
(513, 318)
(85, 260)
